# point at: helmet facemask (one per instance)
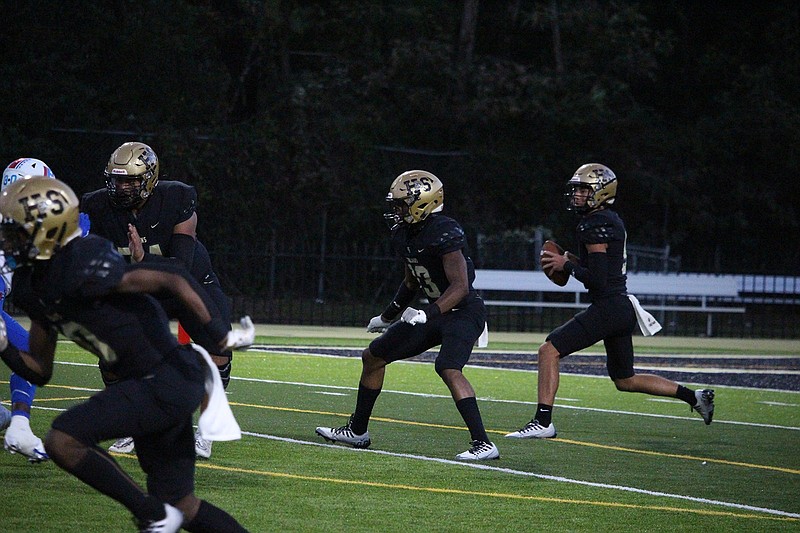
(16, 245)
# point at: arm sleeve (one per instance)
(218, 327)
(595, 277)
(181, 247)
(400, 301)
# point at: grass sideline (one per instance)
(621, 462)
(290, 334)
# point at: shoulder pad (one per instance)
(93, 199)
(100, 265)
(596, 230)
(445, 235)
(181, 195)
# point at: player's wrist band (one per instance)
(432, 311)
(569, 267)
(401, 300)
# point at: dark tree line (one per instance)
(292, 116)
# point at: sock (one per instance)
(365, 401)
(468, 407)
(22, 391)
(544, 414)
(101, 472)
(211, 519)
(687, 395)
(225, 374)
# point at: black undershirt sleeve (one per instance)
(181, 247)
(595, 277)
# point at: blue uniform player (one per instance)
(432, 247)
(19, 438)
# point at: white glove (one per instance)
(3, 335)
(414, 316)
(240, 338)
(377, 324)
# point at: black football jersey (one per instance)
(422, 246)
(71, 293)
(171, 203)
(605, 226)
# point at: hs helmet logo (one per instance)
(39, 206)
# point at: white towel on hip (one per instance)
(647, 323)
(216, 420)
(483, 340)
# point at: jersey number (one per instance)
(86, 340)
(425, 282)
(153, 250)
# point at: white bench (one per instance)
(694, 290)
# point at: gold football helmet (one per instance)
(413, 196)
(131, 161)
(40, 216)
(601, 183)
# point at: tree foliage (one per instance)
(292, 116)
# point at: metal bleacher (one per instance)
(694, 293)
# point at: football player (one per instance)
(19, 438)
(150, 220)
(611, 316)
(432, 248)
(83, 289)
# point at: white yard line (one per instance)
(484, 466)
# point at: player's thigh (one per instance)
(460, 329)
(574, 335)
(133, 407)
(402, 341)
(168, 459)
(619, 356)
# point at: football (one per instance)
(560, 278)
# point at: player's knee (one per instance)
(63, 449)
(547, 352)
(367, 359)
(371, 363)
(225, 373)
(189, 506)
(444, 370)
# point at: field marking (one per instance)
(521, 402)
(779, 404)
(444, 426)
(477, 365)
(778, 514)
(532, 352)
(503, 432)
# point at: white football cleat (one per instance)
(480, 451)
(169, 524)
(202, 447)
(345, 434)
(20, 439)
(123, 445)
(533, 430)
(705, 404)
